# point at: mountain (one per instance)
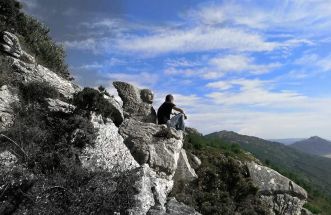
(314, 145)
(287, 141)
(311, 168)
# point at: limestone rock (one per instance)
(37, 73)
(153, 144)
(7, 160)
(194, 161)
(184, 171)
(7, 98)
(173, 207)
(117, 114)
(10, 44)
(176, 208)
(109, 152)
(146, 190)
(281, 194)
(137, 103)
(56, 105)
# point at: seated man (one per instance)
(163, 114)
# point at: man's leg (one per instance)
(177, 122)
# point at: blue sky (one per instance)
(259, 68)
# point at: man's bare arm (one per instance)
(180, 110)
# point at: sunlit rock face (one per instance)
(7, 98)
(25, 67)
(281, 194)
(109, 152)
(155, 145)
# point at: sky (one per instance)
(260, 68)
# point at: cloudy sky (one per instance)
(260, 68)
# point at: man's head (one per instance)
(169, 98)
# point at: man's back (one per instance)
(164, 112)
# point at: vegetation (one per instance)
(34, 37)
(48, 145)
(223, 185)
(90, 99)
(298, 166)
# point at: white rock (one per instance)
(184, 171)
(38, 73)
(109, 153)
(278, 192)
(153, 144)
(7, 98)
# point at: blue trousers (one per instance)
(177, 122)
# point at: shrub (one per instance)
(90, 99)
(51, 140)
(223, 186)
(37, 92)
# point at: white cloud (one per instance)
(239, 63)
(313, 60)
(196, 39)
(253, 92)
(216, 67)
(142, 80)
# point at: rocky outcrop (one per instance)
(10, 45)
(109, 152)
(153, 144)
(184, 171)
(117, 111)
(26, 69)
(137, 103)
(56, 105)
(279, 193)
(37, 73)
(7, 98)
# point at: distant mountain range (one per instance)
(287, 141)
(312, 168)
(314, 145)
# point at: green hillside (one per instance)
(311, 172)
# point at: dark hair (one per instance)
(169, 98)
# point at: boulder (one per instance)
(194, 161)
(173, 207)
(184, 171)
(117, 111)
(37, 73)
(156, 145)
(137, 103)
(10, 44)
(56, 105)
(279, 193)
(7, 98)
(26, 70)
(149, 190)
(109, 152)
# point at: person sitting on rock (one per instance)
(164, 112)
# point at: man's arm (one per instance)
(179, 110)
